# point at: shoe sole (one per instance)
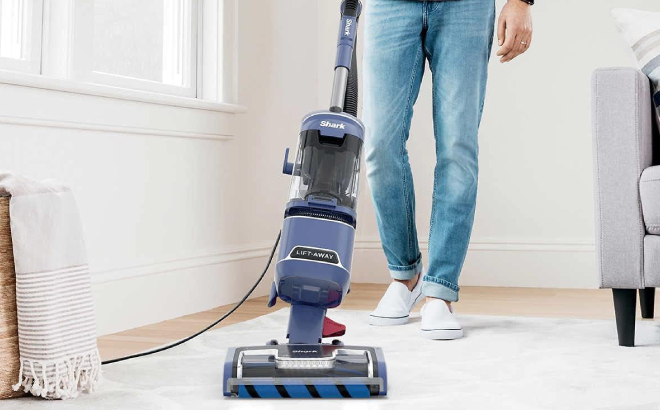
(442, 334)
(387, 321)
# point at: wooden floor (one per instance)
(587, 304)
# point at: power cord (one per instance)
(182, 341)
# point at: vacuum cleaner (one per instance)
(314, 259)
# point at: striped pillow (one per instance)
(641, 29)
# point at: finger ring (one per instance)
(523, 43)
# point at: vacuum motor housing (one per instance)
(316, 248)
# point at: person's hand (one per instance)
(514, 30)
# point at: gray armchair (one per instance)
(627, 193)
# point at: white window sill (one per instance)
(37, 101)
(56, 84)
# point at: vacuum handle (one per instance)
(350, 13)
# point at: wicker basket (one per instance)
(9, 362)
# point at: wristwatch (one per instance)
(530, 2)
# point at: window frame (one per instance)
(217, 53)
(32, 65)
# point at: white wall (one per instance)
(180, 205)
(535, 223)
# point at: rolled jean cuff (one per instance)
(438, 288)
(406, 272)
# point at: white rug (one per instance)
(502, 363)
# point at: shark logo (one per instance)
(347, 29)
(337, 125)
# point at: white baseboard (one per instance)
(234, 254)
(494, 262)
(137, 296)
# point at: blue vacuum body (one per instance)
(315, 255)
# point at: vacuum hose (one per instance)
(351, 98)
(351, 7)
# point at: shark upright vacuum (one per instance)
(314, 261)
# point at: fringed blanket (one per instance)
(56, 326)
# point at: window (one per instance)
(20, 35)
(177, 47)
(147, 44)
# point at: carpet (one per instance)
(502, 363)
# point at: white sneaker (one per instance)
(439, 321)
(395, 305)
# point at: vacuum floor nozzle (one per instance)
(305, 371)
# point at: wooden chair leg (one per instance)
(625, 304)
(647, 302)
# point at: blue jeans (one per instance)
(455, 37)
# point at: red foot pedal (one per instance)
(332, 328)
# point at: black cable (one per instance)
(182, 341)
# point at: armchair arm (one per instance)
(622, 134)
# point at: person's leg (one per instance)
(457, 45)
(393, 65)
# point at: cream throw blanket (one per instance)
(56, 325)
